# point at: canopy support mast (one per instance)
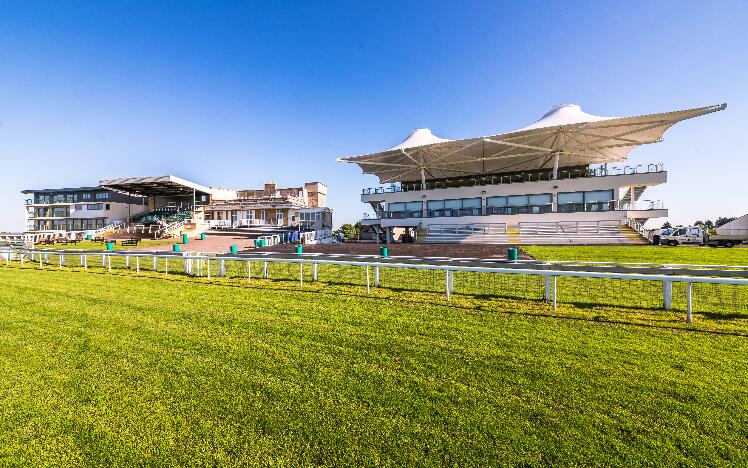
(423, 179)
(555, 166)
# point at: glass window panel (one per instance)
(496, 201)
(436, 204)
(571, 197)
(397, 206)
(471, 202)
(517, 200)
(598, 196)
(453, 204)
(414, 206)
(541, 199)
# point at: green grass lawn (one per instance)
(114, 369)
(641, 254)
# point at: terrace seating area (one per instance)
(611, 232)
(162, 217)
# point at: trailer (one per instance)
(696, 235)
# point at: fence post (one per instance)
(689, 297)
(265, 270)
(85, 262)
(547, 288)
(166, 266)
(208, 262)
(554, 292)
(667, 295)
(368, 288)
(40, 262)
(103, 260)
(447, 284)
(155, 263)
(22, 256)
(60, 258)
(109, 263)
(127, 262)
(301, 274)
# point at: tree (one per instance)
(721, 221)
(667, 225)
(350, 231)
(698, 223)
(708, 224)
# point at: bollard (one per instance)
(234, 249)
(299, 249)
(176, 248)
(185, 239)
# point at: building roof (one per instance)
(576, 137)
(167, 185)
(63, 190)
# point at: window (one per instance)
(455, 207)
(598, 196)
(401, 210)
(58, 199)
(106, 206)
(94, 206)
(78, 207)
(571, 197)
(86, 196)
(102, 195)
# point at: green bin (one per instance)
(263, 243)
(384, 251)
(234, 249)
(299, 249)
(185, 239)
(512, 254)
(175, 248)
(89, 237)
(202, 236)
(110, 246)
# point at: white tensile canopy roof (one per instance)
(564, 137)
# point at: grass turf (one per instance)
(641, 254)
(116, 369)
(90, 245)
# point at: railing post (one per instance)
(109, 263)
(667, 295)
(314, 271)
(155, 263)
(554, 292)
(127, 262)
(689, 300)
(367, 280)
(547, 288)
(166, 266)
(301, 274)
(265, 270)
(447, 284)
(208, 262)
(60, 258)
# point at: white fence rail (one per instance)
(200, 265)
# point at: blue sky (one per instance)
(234, 94)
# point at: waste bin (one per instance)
(234, 249)
(110, 246)
(175, 248)
(263, 243)
(512, 254)
(384, 251)
(299, 249)
(185, 239)
(202, 236)
(89, 237)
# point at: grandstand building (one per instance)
(554, 181)
(166, 205)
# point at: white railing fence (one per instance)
(400, 274)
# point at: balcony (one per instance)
(642, 205)
(517, 178)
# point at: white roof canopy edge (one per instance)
(564, 136)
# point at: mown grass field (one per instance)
(642, 254)
(89, 245)
(117, 369)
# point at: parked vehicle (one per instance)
(695, 235)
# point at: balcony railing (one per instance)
(517, 178)
(642, 205)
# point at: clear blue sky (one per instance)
(235, 94)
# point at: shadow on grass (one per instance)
(328, 290)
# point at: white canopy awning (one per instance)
(565, 136)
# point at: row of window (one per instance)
(71, 197)
(497, 205)
(310, 216)
(70, 224)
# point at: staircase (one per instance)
(466, 234)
